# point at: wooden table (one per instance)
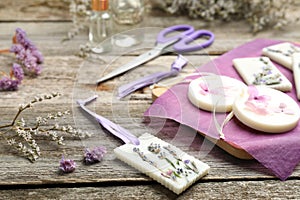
(46, 23)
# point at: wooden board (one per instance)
(231, 148)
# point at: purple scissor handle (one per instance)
(186, 36)
(181, 43)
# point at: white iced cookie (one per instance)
(267, 110)
(215, 92)
(261, 71)
(281, 53)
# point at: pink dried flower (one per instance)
(283, 108)
(67, 165)
(204, 88)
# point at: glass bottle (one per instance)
(127, 18)
(100, 27)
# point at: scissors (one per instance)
(181, 44)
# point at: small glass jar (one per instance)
(127, 17)
(100, 27)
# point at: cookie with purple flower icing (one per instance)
(214, 92)
(266, 109)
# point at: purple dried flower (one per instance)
(6, 84)
(21, 38)
(16, 48)
(67, 165)
(186, 162)
(36, 53)
(17, 72)
(12, 82)
(95, 155)
(27, 53)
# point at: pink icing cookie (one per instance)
(215, 92)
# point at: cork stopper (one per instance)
(99, 5)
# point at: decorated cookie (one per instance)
(261, 71)
(215, 92)
(281, 53)
(266, 110)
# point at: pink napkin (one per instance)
(278, 152)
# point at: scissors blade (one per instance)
(159, 49)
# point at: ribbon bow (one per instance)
(176, 67)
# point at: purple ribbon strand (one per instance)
(176, 67)
(113, 128)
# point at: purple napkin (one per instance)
(278, 152)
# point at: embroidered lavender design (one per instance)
(266, 76)
(187, 163)
(168, 174)
(144, 158)
(288, 53)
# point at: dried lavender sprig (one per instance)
(23, 107)
(260, 14)
(20, 135)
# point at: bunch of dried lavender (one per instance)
(29, 59)
(260, 14)
(21, 135)
(27, 53)
(11, 82)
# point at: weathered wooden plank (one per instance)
(64, 74)
(48, 36)
(45, 170)
(33, 10)
(201, 190)
(75, 78)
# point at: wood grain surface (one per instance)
(47, 23)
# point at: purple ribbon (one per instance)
(113, 128)
(176, 67)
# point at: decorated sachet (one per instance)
(266, 109)
(281, 53)
(280, 153)
(214, 92)
(261, 71)
(296, 72)
(158, 159)
(163, 162)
